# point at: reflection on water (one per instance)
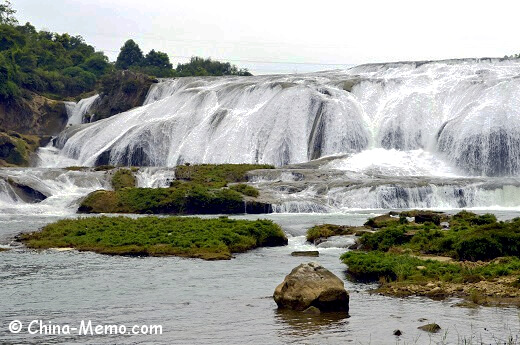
(304, 325)
(217, 302)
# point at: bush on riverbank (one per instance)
(471, 237)
(488, 254)
(210, 239)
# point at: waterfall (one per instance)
(62, 188)
(441, 134)
(77, 111)
(154, 177)
(464, 112)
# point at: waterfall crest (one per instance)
(465, 112)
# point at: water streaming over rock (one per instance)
(47, 191)
(465, 112)
(384, 123)
(77, 111)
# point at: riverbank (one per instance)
(440, 256)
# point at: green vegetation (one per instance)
(61, 66)
(210, 239)
(377, 265)
(245, 189)
(182, 199)
(15, 148)
(155, 63)
(471, 237)
(204, 67)
(476, 252)
(52, 64)
(319, 232)
(123, 178)
(200, 189)
(216, 175)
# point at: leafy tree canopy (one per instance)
(130, 55)
(7, 13)
(61, 65)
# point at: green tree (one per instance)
(7, 13)
(200, 67)
(157, 59)
(130, 55)
(97, 63)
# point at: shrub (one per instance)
(246, 190)
(384, 239)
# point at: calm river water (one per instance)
(221, 302)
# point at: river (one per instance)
(218, 302)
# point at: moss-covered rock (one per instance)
(245, 189)
(34, 115)
(216, 175)
(382, 221)
(209, 239)
(123, 178)
(199, 189)
(16, 149)
(183, 199)
(320, 232)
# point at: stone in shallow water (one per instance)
(312, 285)
(306, 253)
(431, 327)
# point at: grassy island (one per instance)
(198, 189)
(436, 255)
(209, 239)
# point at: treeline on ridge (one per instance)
(61, 66)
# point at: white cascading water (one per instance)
(453, 127)
(154, 177)
(77, 111)
(466, 112)
(62, 188)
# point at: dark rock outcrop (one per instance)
(17, 149)
(121, 91)
(312, 285)
(33, 114)
(26, 193)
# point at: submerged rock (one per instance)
(312, 285)
(431, 327)
(306, 253)
(312, 310)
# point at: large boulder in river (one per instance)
(312, 285)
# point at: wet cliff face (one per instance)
(26, 124)
(33, 114)
(17, 149)
(120, 91)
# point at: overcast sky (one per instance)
(288, 36)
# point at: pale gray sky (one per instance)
(252, 33)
